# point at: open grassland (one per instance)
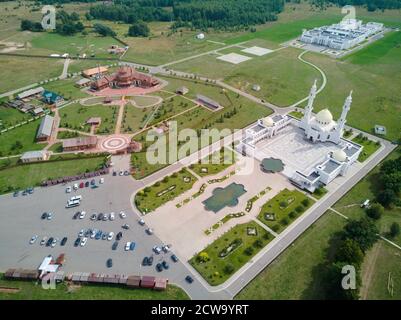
(30, 290)
(66, 88)
(21, 71)
(230, 252)
(10, 117)
(75, 116)
(134, 118)
(25, 134)
(26, 175)
(295, 273)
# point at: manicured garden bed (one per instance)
(369, 147)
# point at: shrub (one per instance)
(299, 209)
(276, 227)
(375, 211)
(305, 202)
(258, 243)
(203, 256)
(292, 214)
(228, 269)
(285, 221)
(248, 251)
(394, 230)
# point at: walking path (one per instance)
(64, 73)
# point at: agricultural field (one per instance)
(30, 290)
(20, 140)
(222, 258)
(75, 116)
(26, 175)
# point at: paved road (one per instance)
(64, 73)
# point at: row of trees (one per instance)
(390, 182)
(218, 14)
(372, 5)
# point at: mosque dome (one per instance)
(268, 122)
(324, 117)
(339, 155)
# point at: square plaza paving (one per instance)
(257, 51)
(234, 58)
(296, 152)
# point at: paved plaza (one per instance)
(234, 58)
(257, 51)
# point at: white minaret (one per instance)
(343, 119)
(309, 108)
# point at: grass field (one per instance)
(25, 134)
(369, 148)
(225, 158)
(218, 269)
(66, 88)
(30, 290)
(10, 117)
(170, 187)
(286, 207)
(75, 116)
(23, 176)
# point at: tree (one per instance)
(103, 30)
(229, 268)
(349, 252)
(333, 283)
(363, 231)
(387, 197)
(375, 211)
(139, 29)
(394, 229)
(203, 256)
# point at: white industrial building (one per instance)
(344, 35)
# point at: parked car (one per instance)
(112, 216)
(125, 226)
(33, 239)
(43, 241)
(75, 186)
(127, 246)
(115, 245)
(174, 258)
(159, 267)
(83, 241)
(114, 173)
(101, 181)
(119, 235)
(49, 216)
(82, 215)
(105, 217)
(68, 190)
(24, 193)
(86, 184)
(145, 261)
(100, 216)
(165, 264)
(98, 235)
(93, 216)
(16, 194)
(126, 173)
(189, 279)
(49, 242)
(81, 185)
(122, 215)
(104, 235)
(110, 236)
(132, 246)
(30, 190)
(109, 263)
(81, 233)
(88, 232)
(76, 215)
(93, 234)
(166, 248)
(141, 222)
(63, 241)
(53, 244)
(93, 182)
(77, 242)
(121, 173)
(149, 231)
(156, 249)
(44, 215)
(150, 261)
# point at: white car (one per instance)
(110, 236)
(127, 246)
(149, 231)
(54, 242)
(93, 234)
(101, 180)
(82, 215)
(75, 186)
(49, 216)
(166, 248)
(75, 198)
(122, 215)
(157, 249)
(33, 239)
(121, 173)
(81, 233)
(83, 241)
(141, 222)
(112, 216)
(68, 190)
(44, 239)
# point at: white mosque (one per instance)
(316, 129)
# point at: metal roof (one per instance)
(46, 127)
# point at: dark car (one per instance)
(98, 235)
(81, 185)
(126, 173)
(44, 215)
(114, 173)
(16, 194)
(100, 216)
(109, 263)
(77, 242)
(30, 190)
(76, 215)
(145, 261)
(114, 246)
(93, 182)
(165, 265)
(150, 261)
(49, 241)
(159, 267)
(189, 279)
(87, 184)
(174, 258)
(63, 241)
(24, 193)
(119, 235)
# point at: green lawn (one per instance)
(369, 147)
(11, 116)
(134, 118)
(66, 88)
(223, 159)
(75, 116)
(25, 134)
(170, 187)
(243, 247)
(23, 176)
(295, 274)
(30, 290)
(284, 208)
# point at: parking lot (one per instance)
(21, 219)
